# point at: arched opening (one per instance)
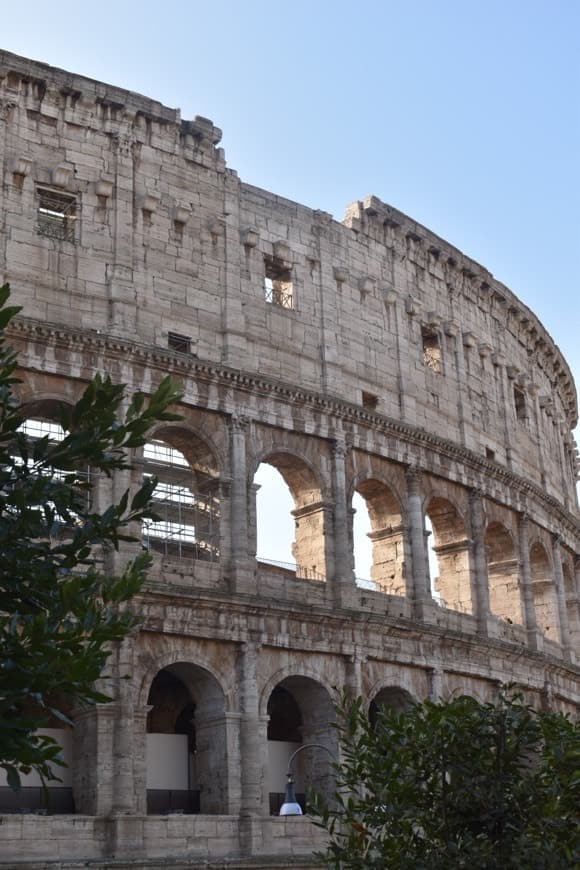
(432, 561)
(186, 743)
(274, 520)
(299, 490)
(41, 424)
(545, 600)
(362, 544)
(55, 797)
(300, 712)
(451, 549)
(391, 697)
(186, 498)
(502, 568)
(572, 605)
(385, 536)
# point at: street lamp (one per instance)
(291, 807)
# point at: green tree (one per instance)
(60, 610)
(456, 784)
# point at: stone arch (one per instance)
(195, 439)
(52, 390)
(451, 549)
(503, 573)
(187, 755)
(187, 497)
(46, 406)
(296, 670)
(392, 696)
(382, 676)
(310, 512)
(572, 603)
(150, 665)
(304, 480)
(42, 418)
(300, 712)
(387, 532)
(544, 591)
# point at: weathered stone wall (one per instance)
(386, 363)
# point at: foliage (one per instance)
(60, 609)
(456, 784)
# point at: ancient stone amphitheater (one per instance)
(367, 356)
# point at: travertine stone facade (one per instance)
(365, 356)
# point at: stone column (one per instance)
(93, 741)
(253, 490)
(535, 638)
(242, 576)
(436, 692)
(451, 330)
(505, 388)
(119, 274)
(343, 576)
(122, 480)
(561, 596)
(237, 261)
(421, 587)
(124, 797)
(575, 625)
(407, 388)
(253, 750)
(538, 434)
(251, 760)
(354, 672)
(7, 108)
(479, 575)
(140, 757)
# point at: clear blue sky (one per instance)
(464, 114)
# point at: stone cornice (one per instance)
(117, 112)
(169, 362)
(476, 283)
(377, 627)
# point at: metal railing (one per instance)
(301, 571)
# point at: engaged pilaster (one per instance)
(561, 596)
(342, 577)
(535, 638)
(479, 574)
(242, 573)
(421, 585)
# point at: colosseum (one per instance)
(365, 359)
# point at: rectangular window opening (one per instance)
(490, 454)
(278, 284)
(431, 349)
(369, 401)
(56, 215)
(180, 343)
(520, 404)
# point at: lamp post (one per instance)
(291, 807)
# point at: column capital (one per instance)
(6, 109)
(339, 448)
(251, 647)
(124, 145)
(238, 422)
(413, 475)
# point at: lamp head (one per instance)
(290, 807)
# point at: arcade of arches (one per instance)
(485, 561)
(488, 564)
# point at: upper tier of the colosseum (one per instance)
(119, 217)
